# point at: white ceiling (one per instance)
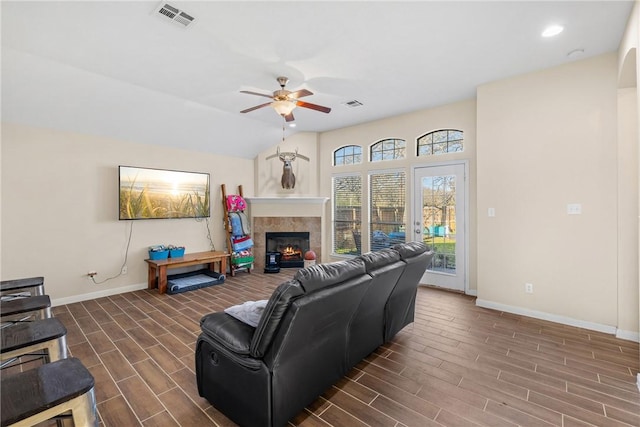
(116, 69)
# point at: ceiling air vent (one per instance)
(175, 15)
(352, 104)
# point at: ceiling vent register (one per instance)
(175, 15)
(353, 104)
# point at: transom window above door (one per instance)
(441, 142)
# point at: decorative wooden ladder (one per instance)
(234, 265)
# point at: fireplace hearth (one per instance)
(290, 245)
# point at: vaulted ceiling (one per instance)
(122, 70)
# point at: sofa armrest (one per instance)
(238, 386)
(228, 332)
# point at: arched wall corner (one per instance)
(627, 77)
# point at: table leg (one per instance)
(162, 279)
(223, 265)
(151, 280)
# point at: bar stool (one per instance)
(45, 338)
(18, 288)
(49, 391)
(23, 309)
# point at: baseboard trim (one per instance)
(472, 292)
(98, 294)
(547, 316)
(628, 335)
(638, 382)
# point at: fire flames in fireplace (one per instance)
(291, 253)
(290, 245)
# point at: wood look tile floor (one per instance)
(457, 365)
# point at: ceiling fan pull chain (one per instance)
(283, 123)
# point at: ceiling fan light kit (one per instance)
(283, 107)
(284, 101)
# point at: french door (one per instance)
(440, 221)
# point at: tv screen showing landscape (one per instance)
(147, 193)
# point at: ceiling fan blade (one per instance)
(289, 117)
(256, 107)
(313, 106)
(300, 93)
(257, 93)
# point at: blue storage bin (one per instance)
(158, 254)
(176, 253)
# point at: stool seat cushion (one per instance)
(23, 334)
(29, 282)
(36, 390)
(24, 305)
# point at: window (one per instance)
(387, 201)
(347, 214)
(440, 142)
(388, 149)
(349, 155)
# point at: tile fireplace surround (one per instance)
(282, 214)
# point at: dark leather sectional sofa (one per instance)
(314, 329)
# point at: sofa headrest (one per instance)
(410, 249)
(272, 315)
(324, 275)
(375, 260)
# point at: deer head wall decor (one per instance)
(288, 179)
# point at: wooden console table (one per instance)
(160, 266)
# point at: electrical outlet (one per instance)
(528, 288)
(92, 273)
(124, 269)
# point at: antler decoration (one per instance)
(287, 156)
(288, 179)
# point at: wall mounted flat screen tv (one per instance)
(159, 193)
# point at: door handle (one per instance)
(418, 231)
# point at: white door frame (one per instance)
(465, 212)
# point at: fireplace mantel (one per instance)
(280, 200)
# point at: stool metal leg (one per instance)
(83, 412)
(31, 291)
(44, 313)
(56, 350)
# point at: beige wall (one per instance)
(545, 140)
(60, 209)
(460, 115)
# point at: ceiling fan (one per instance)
(284, 101)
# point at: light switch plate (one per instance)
(574, 209)
(491, 212)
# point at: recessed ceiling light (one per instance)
(292, 125)
(552, 30)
